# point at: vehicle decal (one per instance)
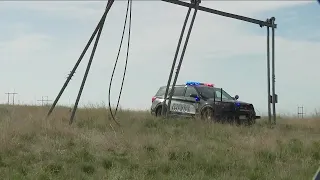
(182, 108)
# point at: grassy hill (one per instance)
(144, 147)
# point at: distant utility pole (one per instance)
(8, 97)
(13, 94)
(300, 112)
(44, 100)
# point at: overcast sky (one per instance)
(41, 41)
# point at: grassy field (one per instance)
(145, 147)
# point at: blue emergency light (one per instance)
(195, 83)
(192, 83)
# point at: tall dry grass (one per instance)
(145, 147)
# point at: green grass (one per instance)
(145, 147)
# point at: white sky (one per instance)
(41, 42)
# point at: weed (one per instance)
(146, 147)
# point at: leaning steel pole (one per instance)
(90, 62)
(110, 2)
(85, 77)
(196, 3)
(273, 75)
(268, 73)
(174, 62)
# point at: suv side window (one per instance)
(224, 94)
(190, 90)
(179, 91)
(162, 91)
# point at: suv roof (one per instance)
(162, 89)
(188, 85)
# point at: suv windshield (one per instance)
(209, 92)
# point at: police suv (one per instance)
(195, 99)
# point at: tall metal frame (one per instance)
(269, 23)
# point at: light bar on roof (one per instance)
(195, 83)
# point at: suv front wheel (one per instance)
(251, 120)
(207, 114)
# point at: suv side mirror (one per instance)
(236, 97)
(195, 96)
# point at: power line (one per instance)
(115, 65)
(13, 94)
(44, 100)
(300, 112)
(8, 97)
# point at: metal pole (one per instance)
(273, 75)
(84, 79)
(221, 13)
(8, 97)
(214, 100)
(183, 52)
(47, 100)
(89, 64)
(41, 100)
(174, 62)
(80, 58)
(268, 73)
(13, 97)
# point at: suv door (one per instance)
(177, 103)
(191, 103)
(224, 105)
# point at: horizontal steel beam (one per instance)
(221, 13)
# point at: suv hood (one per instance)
(231, 101)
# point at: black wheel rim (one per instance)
(208, 114)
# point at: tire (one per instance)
(207, 114)
(158, 111)
(238, 122)
(250, 121)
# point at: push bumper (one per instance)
(246, 114)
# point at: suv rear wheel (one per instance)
(158, 111)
